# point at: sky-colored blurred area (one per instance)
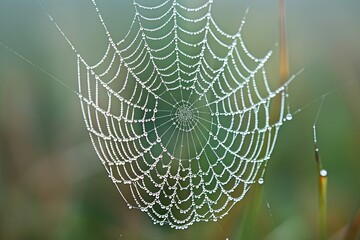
(52, 184)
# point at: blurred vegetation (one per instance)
(52, 185)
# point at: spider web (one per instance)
(179, 113)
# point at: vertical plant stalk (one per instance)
(284, 58)
(283, 62)
(322, 186)
(251, 214)
(354, 228)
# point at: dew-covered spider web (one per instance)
(179, 113)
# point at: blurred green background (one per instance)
(52, 185)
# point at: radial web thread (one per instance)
(179, 113)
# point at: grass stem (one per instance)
(354, 228)
(283, 62)
(284, 58)
(322, 186)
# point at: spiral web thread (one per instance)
(178, 113)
